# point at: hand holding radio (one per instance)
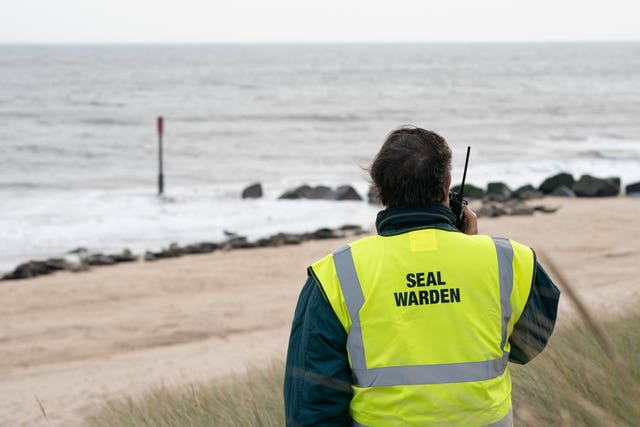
(470, 221)
(458, 205)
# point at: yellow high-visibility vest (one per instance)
(428, 315)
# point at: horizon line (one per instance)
(316, 42)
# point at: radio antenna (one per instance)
(464, 174)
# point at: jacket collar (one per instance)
(401, 220)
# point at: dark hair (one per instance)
(411, 168)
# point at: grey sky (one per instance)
(205, 21)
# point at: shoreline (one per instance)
(73, 341)
(82, 259)
(563, 184)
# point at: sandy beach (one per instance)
(71, 341)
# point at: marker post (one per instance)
(160, 175)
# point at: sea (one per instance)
(79, 149)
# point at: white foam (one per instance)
(52, 223)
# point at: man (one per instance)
(414, 326)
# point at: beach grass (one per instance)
(579, 381)
(254, 399)
(575, 382)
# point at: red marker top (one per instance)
(160, 124)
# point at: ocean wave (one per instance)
(274, 118)
(19, 114)
(17, 185)
(608, 154)
(331, 118)
(104, 104)
(41, 149)
(623, 155)
(228, 84)
(108, 121)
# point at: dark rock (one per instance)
(166, 254)
(525, 188)
(550, 184)
(563, 191)
(512, 207)
(235, 242)
(498, 191)
(124, 256)
(103, 259)
(254, 191)
(280, 239)
(265, 242)
(291, 239)
(320, 192)
(351, 227)
(38, 268)
(527, 192)
(238, 242)
(590, 186)
(34, 268)
(326, 233)
(289, 195)
(633, 189)
(520, 209)
(56, 264)
(470, 191)
(200, 248)
(276, 240)
(344, 192)
(248, 245)
(173, 251)
(98, 259)
(301, 192)
(491, 210)
(28, 269)
(347, 192)
(271, 241)
(545, 209)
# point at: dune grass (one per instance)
(573, 383)
(254, 399)
(578, 382)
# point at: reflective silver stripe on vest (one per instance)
(419, 374)
(505, 270)
(354, 299)
(507, 421)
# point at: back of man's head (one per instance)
(411, 169)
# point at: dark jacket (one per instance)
(317, 384)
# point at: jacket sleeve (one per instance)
(532, 331)
(317, 383)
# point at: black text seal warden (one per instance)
(434, 295)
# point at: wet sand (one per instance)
(70, 341)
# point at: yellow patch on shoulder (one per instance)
(422, 240)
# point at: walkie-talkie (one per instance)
(456, 200)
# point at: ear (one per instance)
(447, 188)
